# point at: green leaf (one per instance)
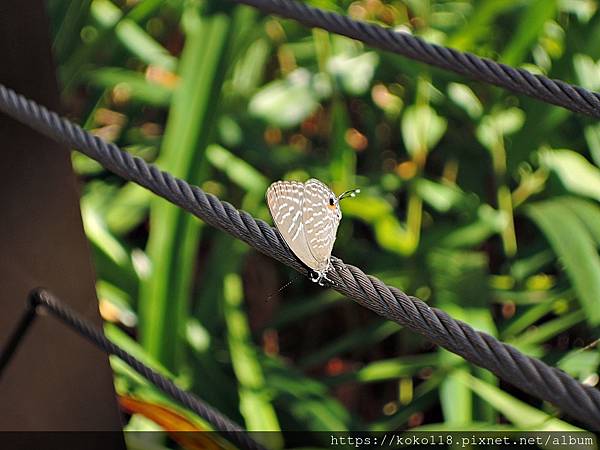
(124, 341)
(527, 33)
(580, 363)
(479, 23)
(255, 401)
(495, 126)
(303, 307)
(526, 417)
(592, 137)
(548, 330)
(119, 299)
(142, 45)
(369, 208)
(131, 35)
(66, 36)
(343, 158)
(534, 313)
(487, 223)
(128, 208)
(249, 69)
(529, 265)
(587, 71)
(389, 369)
(286, 103)
(97, 232)
(174, 234)
(575, 172)
(583, 9)
(463, 96)
(425, 395)
(353, 73)
(305, 399)
(112, 258)
(459, 280)
(135, 83)
(107, 19)
(237, 170)
(586, 211)
(422, 128)
(442, 197)
(355, 339)
(576, 248)
(389, 232)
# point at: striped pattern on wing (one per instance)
(320, 219)
(285, 200)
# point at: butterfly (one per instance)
(307, 215)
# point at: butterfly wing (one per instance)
(285, 200)
(320, 220)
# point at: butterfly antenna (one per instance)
(282, 287)
(350, 193)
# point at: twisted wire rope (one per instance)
(556, 92)
(529, 374)
(224, 425)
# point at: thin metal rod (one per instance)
(18, 334)
(225, 426)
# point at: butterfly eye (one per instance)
(331, 201)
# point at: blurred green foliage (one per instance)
(479, 202)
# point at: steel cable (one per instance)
(529, 374)
(556, 92)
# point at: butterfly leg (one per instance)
(315, 276)
(326, 278)
(320, 277)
